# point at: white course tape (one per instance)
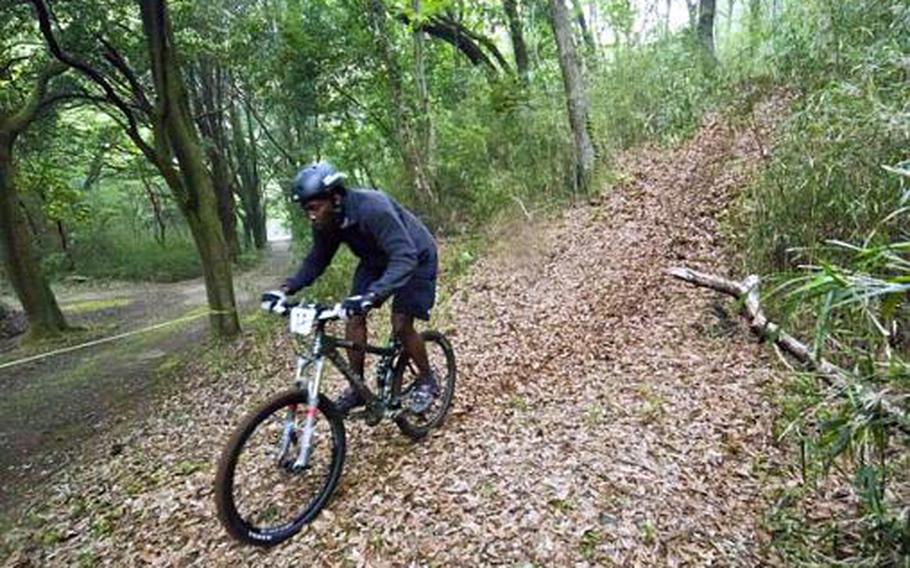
(104, 340)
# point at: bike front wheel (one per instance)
(442, 362)
(265, 491)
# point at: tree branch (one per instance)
(479, 38)
(747, 291)
(132, 128)
(114, 58)
(249, 105)
(18, 121)
(352, 99)
(5, 68)
(65, 97)
(454, 34)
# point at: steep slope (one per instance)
(603, 413)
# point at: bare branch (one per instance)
(747, 290)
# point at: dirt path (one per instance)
(603, 415)
(52, 406)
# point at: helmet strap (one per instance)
(338, 203)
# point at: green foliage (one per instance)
(830, 203)
(657, 91)
(826, 179)
(493, 159)
(126, 256)
(858, 293)
(621, 16)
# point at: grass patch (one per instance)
(89, 306)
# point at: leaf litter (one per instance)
(602, 414)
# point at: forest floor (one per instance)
(604, 414)
(50, 407)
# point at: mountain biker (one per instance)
(397, 258)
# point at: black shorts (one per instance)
(415, 298)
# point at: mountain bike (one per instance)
(284, 460)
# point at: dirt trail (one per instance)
(52, 406)
(602, 415)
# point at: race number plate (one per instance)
(302, 320)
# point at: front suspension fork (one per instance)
(309, 424)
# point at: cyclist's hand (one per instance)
(359, 305)
(275, 301)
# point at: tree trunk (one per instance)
(576, 98)
(706, 9)
(209, 103)
(246, 156)
(754, 18)
(224, 192)
(174, 132)
(518, 42)
(413, 159)
(21, 265)
(583, 26)
(155, 202)
(424, 122)
(692, 7)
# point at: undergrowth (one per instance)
(827, 224)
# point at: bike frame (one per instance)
(324, 347)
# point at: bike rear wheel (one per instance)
(261, 497)
(442, 362)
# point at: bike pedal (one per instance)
(357, 415)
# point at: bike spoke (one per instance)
(270, 492)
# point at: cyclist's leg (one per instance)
(356, 328)
(403, 328)
(414, 300)
(356, 331)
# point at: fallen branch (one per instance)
(747, 292)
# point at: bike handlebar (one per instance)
(323, 312)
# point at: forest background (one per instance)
(155, 141)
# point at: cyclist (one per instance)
(397, 258)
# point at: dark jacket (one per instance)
(383, 234)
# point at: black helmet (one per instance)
(319, 179)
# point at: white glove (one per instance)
(275, 301)
(359, 305)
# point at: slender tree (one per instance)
(414, 162)
(706, 9)
(210, 103)
(692, 8)
(576, 99)
(518, 42)
(755, 15)
(582, 22)
(423, 122)
(246, 167)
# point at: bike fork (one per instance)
(309, 424)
